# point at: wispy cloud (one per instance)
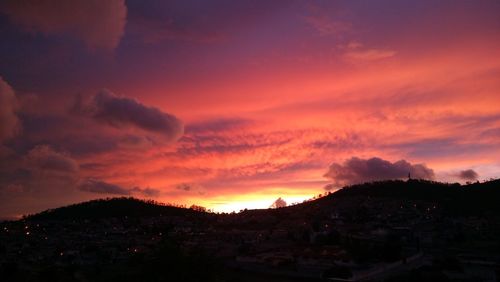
(355, 51)
(325, 25)
(369, 55)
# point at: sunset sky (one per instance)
(232, 104)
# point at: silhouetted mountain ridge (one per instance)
(476, 198)
(456, 199)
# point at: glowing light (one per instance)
(250, 202)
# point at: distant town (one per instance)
(411, 230)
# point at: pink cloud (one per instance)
(369, 55)
(357, 52)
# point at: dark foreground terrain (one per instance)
(384, 231)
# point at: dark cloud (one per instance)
(93, 166)
(191, 188)
(152, 31)
(195, 21)
(356, 170)
(38, 124)
(101, 187)
(13, 177)
(492, 134)
(147, 192)
(135, 142)
(9, 122)
(141, 127)
(122, 112)
(468, 174)
(40, 173)
(88, 144)
(64, 133)
(184, 187)
(218, 125)
(44, 158)
(98, 24)
(70, 133)
(442, 147)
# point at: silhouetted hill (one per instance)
(114, 207)
(471, 199)
(455, 199)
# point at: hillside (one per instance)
(358, 230)
(454, 199)
(114, 207)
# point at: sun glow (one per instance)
(237, 203)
